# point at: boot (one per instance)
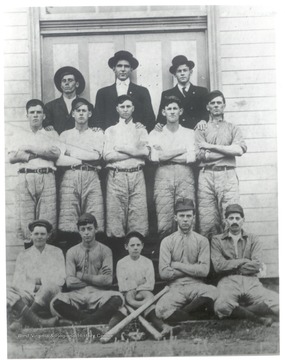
(17, 325)
(177, 316)
(243, 313)
(68, 311)
(33, 320)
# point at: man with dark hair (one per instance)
(216, 149)
(36, 151)
(105, 114)
(89, 275)
(39, 276)
(184, 262)
(237, 259)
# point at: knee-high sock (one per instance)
(68, 311)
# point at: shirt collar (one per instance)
(182, 233)
(226, 235)
(123, 83)
(123, 122)
(187, 87)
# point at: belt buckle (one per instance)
(73, 167)
(39, 171)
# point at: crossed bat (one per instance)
(108, 336)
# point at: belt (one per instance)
(164, 163)
(36, 171)
(84, 167)
(218, 168)
(138, 168)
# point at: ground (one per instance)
(213, 337)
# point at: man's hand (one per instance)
(175, 265)
(49, 128)
(249, 268)
(158, 127)
(139, 125)
(79, 275)
(106, 270)
(202, 125)
(96, 129)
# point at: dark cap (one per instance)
(40, 222)
(234, 208)
(76, 103)
(69, 70)
(123, 55)
(180, 60)
(213, 94)
(87, 218)
(184, 204)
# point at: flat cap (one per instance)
(184, 204)
(213, 94)
(87, 218)
(40, 222)
(234, 208)
(76, 103)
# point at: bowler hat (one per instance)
(180, 60)
(69, 70)
(123, 55)
(40, 222)
(76, 103)
(87, 218)
(234, 208)
(184, 204)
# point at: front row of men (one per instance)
(78, 152)
(184, 262)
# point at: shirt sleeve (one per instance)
(108, 144)
(166, 272)
(149, 276)
(20, 280)
(238, 138)
(199, 137)
(72, 281)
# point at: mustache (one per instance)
(234, 225)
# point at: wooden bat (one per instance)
(119, 327)
(152, 330)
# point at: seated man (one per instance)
(184, 261)
(236, 256)
(135, 274)
(38, 277)
(174, 149)
(89, 274)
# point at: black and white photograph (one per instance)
(140, 180)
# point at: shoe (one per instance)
(16, 325)
(266, 321)
(64, 322)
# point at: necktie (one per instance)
(184, 91)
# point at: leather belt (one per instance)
(83, 167)
(36, 171)
(218, 168)
(138, 168)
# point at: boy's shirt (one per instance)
(135, 274)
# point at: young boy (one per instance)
(135, 274)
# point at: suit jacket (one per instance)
(105, 114)
(57, 115)
(194, 105)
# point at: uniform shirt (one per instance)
(88, 261)
(48, 265)
(124, 134)
(135, 274)
(40, 139)
(191, 249)
(224, 133)
(169, 140)
(223, 252)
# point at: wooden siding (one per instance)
(247, 62)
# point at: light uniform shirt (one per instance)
(168, 140)
(41, 139)
(135, 274)
(122, 87)
(124, 134)
(48, 265)
(68, 103)
(191, 249)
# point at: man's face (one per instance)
(172, 112)
(122, 70)
(39, 236)
(134, 248)
(81, 114)
(185, 220)
(69, 84)
(87, 233)
(235, 222)
(216, 106)
(126, 109)
(183, 74)
(35, 115)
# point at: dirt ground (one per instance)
(201, 338)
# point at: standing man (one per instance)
(36, 151)
(184, 262)
(105, 114)
(38, 277)
(193, 98)
(70, 82)
(216, 149)
(174, 150)
(237, 258)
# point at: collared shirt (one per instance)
(191, 249)
(223, 133)
(223, 252)
(48, 265)
(124, 134)
(135, 274)
(169, 140)
(185, 87)
(68, 103)
(122, 87)
(39, 139)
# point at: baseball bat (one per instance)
(108, 336)
(152, 330)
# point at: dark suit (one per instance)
(194, 105)
(105, 113)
